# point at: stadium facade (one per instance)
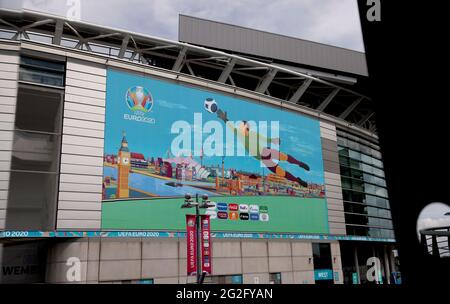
(87, 117)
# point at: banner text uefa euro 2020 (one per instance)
(261, 166)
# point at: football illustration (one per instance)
(211, 105)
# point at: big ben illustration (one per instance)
(123, 169)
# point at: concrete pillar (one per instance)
(391, 258)
(386, 265)
(357, 264)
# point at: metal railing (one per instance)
(436, 241)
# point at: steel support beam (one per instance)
(87, 46)
(59, 28)
(73, 30)
(266, 81)
(251, 68)
(434, 246)
(351, 108)
(300, 91)
(207, 58)
(23, 29)
(37, 23)
(327, 100)
(16, 28)
(227, 71)
(364, 119)
(124, 46)
(160, 47)
(9, 24)
(178, 63)
(102, 36)
(232, 81)
(190, 69)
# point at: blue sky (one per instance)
(334, 22)
(300, 136)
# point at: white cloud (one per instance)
(433, 223)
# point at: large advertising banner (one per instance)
(260, 165)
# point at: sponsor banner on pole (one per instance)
(206, 244)
(191, 244)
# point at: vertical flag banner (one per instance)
(191, 244)
(206, 243)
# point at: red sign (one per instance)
(191, 241)
(206, 243)
(233, 207)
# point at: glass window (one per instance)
(39, 109)
(24, 262)
(356, 174)
(354, 155)
(275, 278)
(99, 49)
(353, 145)
(322, 256)
(374, 180)
(365, 149)
(68, 42)
(376, 154)
(32, 201)
(344, 161)
(356, 219)
(35, 151)
(355, 208)
(41, 64)
(369, 231)
(33, 185)
(41, 71)
(345, 183)
(343, 151)
(341, 141)
(366, 159)
(224, 279)
(44, 77)
(377, 162)
(364, 188)
(5, 34)
(377, 201)
(40, 38)
(378, 172)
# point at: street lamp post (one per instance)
(189, 203)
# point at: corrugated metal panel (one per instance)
(249, 41)
(333, 188)
(8, 96)
(80, 190)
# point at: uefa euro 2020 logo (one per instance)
(140, 102)
(139, 99)
(191, 223)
